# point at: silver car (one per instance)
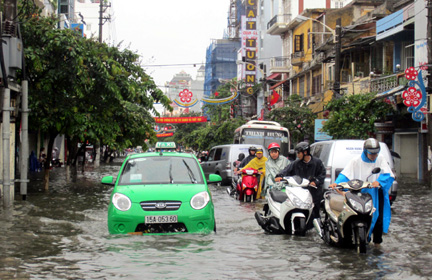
(220, 160)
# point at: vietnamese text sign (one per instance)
(180, 119)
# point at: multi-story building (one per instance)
(221, 63)
(281, 24)
(87, 13)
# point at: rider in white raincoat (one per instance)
(274, 165)
(360, 168)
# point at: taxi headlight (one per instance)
(121, 202)
(200, 200)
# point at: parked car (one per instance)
(335, 154)
(161, 192)
(221, 158)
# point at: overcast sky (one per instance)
(169, 32)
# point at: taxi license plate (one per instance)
(165, 219)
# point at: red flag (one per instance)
(216, 94)
(274, 98)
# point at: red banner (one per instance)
(181, 120)
(165, 134)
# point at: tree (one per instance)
(83, 89)
(298, 119)
(353, 116)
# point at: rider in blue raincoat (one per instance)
(360, 168)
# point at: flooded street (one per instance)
(63, 234)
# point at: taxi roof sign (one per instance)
(165, 145)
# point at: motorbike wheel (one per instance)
(301, 227)
(326, 231)
(247, 198)
(360, 239)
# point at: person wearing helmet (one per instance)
(361, 168)
(258, 163)
(274, 164)
(251, 156)
(307, 167)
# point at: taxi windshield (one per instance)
(161, 170)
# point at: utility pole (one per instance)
(336, 85)
(102, 19)
(11, 59)
(429, 79)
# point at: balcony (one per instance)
(278, 24)
(297, 58)
(280, 65)
(386, 83)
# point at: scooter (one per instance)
(347, 219)
(288, 210)
(247, 187)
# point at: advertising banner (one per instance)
(180, 119)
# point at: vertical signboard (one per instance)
(250, 44)
(319, 134)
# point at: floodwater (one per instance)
(62, 234)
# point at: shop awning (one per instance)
(274, 76)
(278, 84)
(390, 92)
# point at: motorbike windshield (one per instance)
(161, 170)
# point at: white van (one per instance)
(220, 160)
(335, 155)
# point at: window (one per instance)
(298, 43)
(161, 170)
(64, 7)
(316, 85)
(308, 39)
(218, 154)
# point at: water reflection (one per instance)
(62, 234)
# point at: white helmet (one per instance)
(371, 146)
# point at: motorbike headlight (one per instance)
(368, 206)
(356, 205)
(121, 202)
(200, 200)
(298, 203)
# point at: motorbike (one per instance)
(287, 210)
(347, 218)
(56, 162)
(246, 187)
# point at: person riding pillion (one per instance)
(274, 165)
(252, 153)
(258, 163)
(361, 168)
(307, 167)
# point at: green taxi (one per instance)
(163, 192)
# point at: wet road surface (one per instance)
(62, 234)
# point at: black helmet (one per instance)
(241, 156)
(303, 146)
(371, 146)
(252, 148)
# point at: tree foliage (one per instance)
(298, 119)
(353, 116)
(86, 90)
